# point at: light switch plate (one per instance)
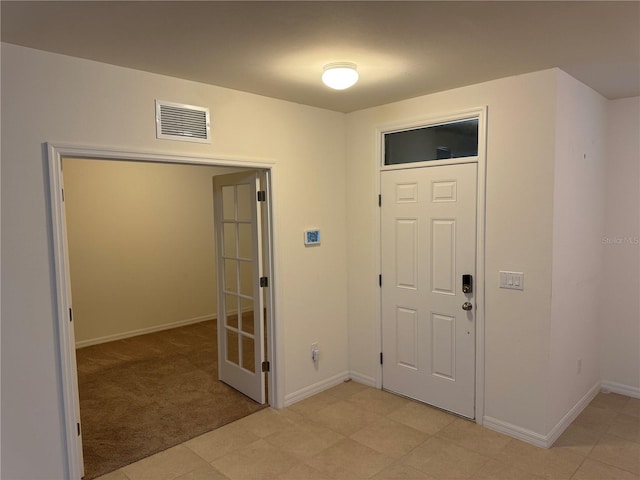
(512, 280)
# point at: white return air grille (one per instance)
(188, 123)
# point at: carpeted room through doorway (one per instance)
(144, 394)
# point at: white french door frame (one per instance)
(479, 295)
(66, 348)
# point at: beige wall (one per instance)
(141, 246)
(53, 98)
(620, 301)
(578, 223)
(519, 220)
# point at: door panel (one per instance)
(428, 220)
(240, 302)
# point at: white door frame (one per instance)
(68, 368)
(481, 114)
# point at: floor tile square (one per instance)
(220, 442)
(472, 436)
(593, 470)
(257, 461)
(422, 417)
(115, 475)
(389, 437)
(445, 460)
(596, 419)
(267, 421)
(304, 439)
(401, 471)
(345, 390)
(203, 473)
(627, 427)
(344, 417)
(618, 452)
(378, 401)
(349, 459)
(312, 405)
(166, 465)
(577, 439)
(493, 470)
(553, 464)
(632, 407)
(610, 401)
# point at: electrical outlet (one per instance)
(315, 352)
(579, 366)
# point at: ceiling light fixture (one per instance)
(340, 75)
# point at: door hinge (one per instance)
(78, 426)
(379, 200)
(266, 366)
(262, 195)
(62, 189)
(70, 315)
(380, 358)
(264, 281)
(380, 280)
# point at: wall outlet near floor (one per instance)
(315, 352)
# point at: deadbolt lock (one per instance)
(467, 283)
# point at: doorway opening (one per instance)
(203, 326)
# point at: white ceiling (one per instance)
(402, 49)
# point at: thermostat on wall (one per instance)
(312, 237)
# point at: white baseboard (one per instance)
(143, 331)
(537, 439)
(515, 431)
(315, 388)
(620, 388)
(364, 379)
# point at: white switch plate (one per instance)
(512, 280)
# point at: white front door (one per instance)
(428, 221)
(240, 300)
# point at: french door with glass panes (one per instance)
(239, 264)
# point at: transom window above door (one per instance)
(434, 142)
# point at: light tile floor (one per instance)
(355, 432)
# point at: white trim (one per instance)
(275, 334)
(515, 431)
(66, 344)
(537, 439)
(429, 163)
(68, 366)
(311, 390)
(481, 159)
(481, 215)
(620, 388)
(363, 379)
(143, 331)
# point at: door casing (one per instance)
(66, 347)
(479, 284)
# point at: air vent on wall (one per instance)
(188, 123)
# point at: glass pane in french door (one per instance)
(238, 275)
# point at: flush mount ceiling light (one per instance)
(340, 75)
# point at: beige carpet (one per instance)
(145, 394)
